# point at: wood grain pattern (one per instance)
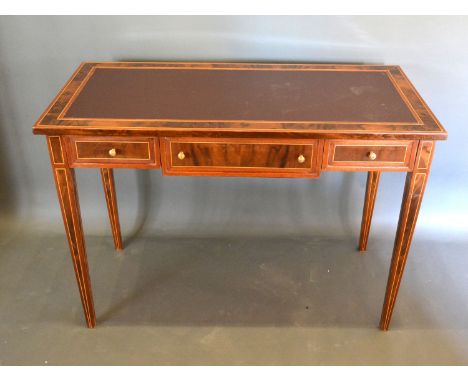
(69, 204)
(240, 157)
(107, 175)
(354, 155)
(373, 178)
(262, 156)
(131, 152)
(414, 190)
(425, 155)
(56, 151)
(427, 126)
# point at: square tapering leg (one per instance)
(69, 204)
(107, 175)
(373, 178)
(414, 190)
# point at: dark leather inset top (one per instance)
(241, 95)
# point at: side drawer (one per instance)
(113, 152)
(349, 155)
(240, 157)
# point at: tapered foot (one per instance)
(107, 175)
(373, 178)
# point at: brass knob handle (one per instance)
(301, 158)
(112, 152)
(372, 155)
(181, 155)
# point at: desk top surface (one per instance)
(305, 99)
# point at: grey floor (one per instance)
(231, 300)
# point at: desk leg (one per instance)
(373, 178)
(107, 175)
(412, 197)
(69, 204)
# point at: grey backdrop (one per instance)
(38, 54)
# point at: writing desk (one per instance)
(231, 119)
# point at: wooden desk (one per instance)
(260, 120)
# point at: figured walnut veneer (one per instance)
(243, 157)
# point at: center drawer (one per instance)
(240, 157)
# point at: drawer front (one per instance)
(367, 155)
(240, 157)
(113, 152)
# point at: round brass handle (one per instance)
(372, 155)
(301, 158)
(112, 152)
(181, 155)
